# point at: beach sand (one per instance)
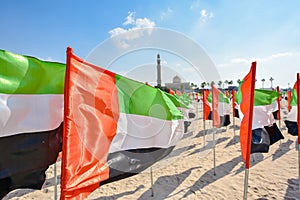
(188, 172)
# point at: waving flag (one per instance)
(31, 107)
(289, 95)
(206, 106)
(264, 129)
(215, 106)
(235, 110)
(115, 127)
(222, 107)
(246, 107)
(291, 119)
(276, 113)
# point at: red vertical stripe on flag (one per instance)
(289, 96)
(233, 102)
(206, 107)
(278, 103)
(247, 89)
(215, 105)
(298, 104)
(91, 113)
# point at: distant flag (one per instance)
(170, 91)
(206, 106)
(31, 105)
(215, 106)
(227, 93)
(115, 127)
(246, 106)
(289, 95)
(276, 113)
(291, 119)
(235, 111)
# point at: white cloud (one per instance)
(144, 23)
(135, 24)
(205, 15)
(129, 18)
(134, 30)
(116, 31)
(166, 14)
(258, 59)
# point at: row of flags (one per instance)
(107, 126)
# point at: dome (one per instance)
(176, 79)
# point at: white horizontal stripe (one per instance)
(262, 115)
(292, 115)
(224, 108)
(136, 131)
(30, 113)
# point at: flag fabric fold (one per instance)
(291, 119)
(31, 105)
(115, 127)
(246, 107)
(264, 129)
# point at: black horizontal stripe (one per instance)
(25, 157)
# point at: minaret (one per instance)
(158, 71)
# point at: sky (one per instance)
(232, 34)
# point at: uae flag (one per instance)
(264, 129)
(246, 94)
(289, 96)
(220, 108)
(291, 119)
(31, 107)
(276, 113)
(235, 108)
(115, 127)
(206, 106)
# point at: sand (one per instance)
(188, 172)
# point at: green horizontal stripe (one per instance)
(261, 97)
(140, 99)
(222, 98)
(294, 98)
(28, 75)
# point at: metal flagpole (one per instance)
(249, 127)
(278, 114)
(204, 131)
(151, 176)
(213, 113)
(55, 182)
(214, 151)
(246, 183)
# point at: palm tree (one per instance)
(271, 79)
(203, 84)
(226, 82)
(220, 83)
(263, 81)
(230, 82)
(239, 81)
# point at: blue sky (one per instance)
(232, 33)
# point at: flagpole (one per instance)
(214, 151)
(55, 182)
(246, 183)
(278, 114)
(249, 132)
(204, 132)
(213, 118)
(151, 176)
(233, 119)
(298, 120)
